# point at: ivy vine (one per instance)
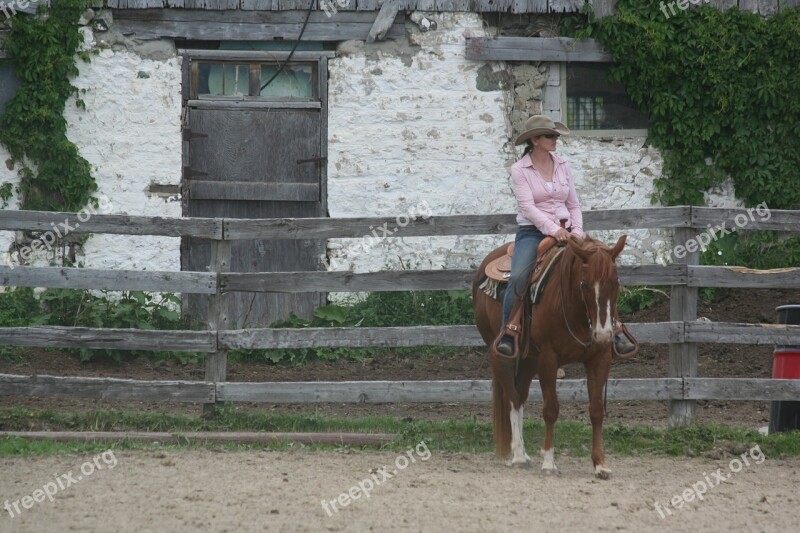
(720, 88)
(43, 49)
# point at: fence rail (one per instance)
(682, 332)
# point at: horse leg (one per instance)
(597, 371)
(548, 368)
(522, 386)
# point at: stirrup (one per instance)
(627, 340)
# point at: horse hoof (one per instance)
(550, 471)
(601, 472)
(560, 373)
(520, 464)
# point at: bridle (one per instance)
(585, 306)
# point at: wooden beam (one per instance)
(251, 190)
(384, 20)
(295, 282)
(217, 318)
(742, 389)
(408, 224)
(186, 437)
(110, 338)
(107, 388)
(392, 337)
(85, 278)
(683, 357)
(416, 221)
(85, 222)
(646, 218)
(249, 339)
(558, 49)
(405, 280)
(781, 334)
(249, 25)
(744, 219)
(433, 391)
(564, 6)
(741, 277)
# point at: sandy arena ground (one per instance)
(203, 490)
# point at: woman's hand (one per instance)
(561, 235)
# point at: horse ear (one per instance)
(577, 250)
(615, 251)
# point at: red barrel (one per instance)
(785, 416)
(786, 363)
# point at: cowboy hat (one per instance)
(540, 125)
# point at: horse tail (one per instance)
(501, 422)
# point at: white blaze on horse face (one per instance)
(603, 331)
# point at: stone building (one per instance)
(383, 109)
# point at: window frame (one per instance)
(605, 134)
(317, 58)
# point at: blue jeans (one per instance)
(526, 246)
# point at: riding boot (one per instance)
(623, 345)
(506, 345)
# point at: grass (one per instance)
(464, 435)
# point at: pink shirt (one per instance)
(540, 206)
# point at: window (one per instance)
(248, 80)
(594, 103)
(8, 84)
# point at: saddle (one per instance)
(497, 274)
(500, 269)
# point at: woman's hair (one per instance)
(528, 148)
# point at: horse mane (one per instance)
(600, 265)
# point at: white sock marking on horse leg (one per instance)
(602, 472)
(517, 446)
(521, 420)
(548, 460)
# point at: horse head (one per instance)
(599, 284)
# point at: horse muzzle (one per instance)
(602, 335)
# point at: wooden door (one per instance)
(254, 163)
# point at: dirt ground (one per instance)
(715, 360)
(202, 490)
(205, 490)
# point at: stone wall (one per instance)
(414, 128)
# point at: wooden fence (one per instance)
(680, 388)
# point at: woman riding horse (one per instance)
(545, 194)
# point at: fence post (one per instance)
(217, 362)
(683, 308)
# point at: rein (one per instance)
(564, 308)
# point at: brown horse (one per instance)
(572, 323)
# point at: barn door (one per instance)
(254, 158)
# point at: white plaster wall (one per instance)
(130, 134)
(618, 174)
(408, 127)
(401, 134)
